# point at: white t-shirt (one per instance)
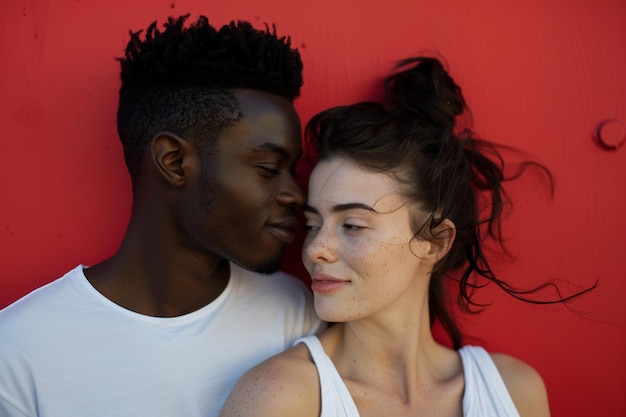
(485, 393)
(66, 350)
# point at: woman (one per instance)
(393, 210)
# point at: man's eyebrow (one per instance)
(341, 207)
(272, 147)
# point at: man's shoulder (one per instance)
(280, 295)
(37, 305)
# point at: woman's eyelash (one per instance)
(349, 226)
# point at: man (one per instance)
(167, 325)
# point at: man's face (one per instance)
(245, 196)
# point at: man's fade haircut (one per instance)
(181, 79)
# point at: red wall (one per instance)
(538, 75)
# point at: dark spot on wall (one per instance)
(29, 114)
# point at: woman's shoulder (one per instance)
(525, 385)
(285, 384)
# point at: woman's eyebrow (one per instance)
(338, 208)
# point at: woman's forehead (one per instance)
(341, 181)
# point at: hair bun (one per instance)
(426, 90)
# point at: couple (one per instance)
(169, 323)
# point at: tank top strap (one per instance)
(485, 392)
(335, 396)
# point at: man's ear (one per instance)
(173, 158)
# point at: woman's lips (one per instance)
(323, 284)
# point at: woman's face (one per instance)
(359, 248)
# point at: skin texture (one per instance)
(383, 347)
(192, 212)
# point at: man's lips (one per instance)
(323, 283)
(283, 228)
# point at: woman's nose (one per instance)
(320, 246)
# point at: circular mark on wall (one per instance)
(610, 134)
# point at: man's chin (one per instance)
(266, 268)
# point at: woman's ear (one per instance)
(443, 238)
(439, 243)
(173, 158)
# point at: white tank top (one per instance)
(485, 393)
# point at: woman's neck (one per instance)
(395, 353)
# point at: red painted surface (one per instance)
(538, 75)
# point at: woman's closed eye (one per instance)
(351, 227)
(310, 227)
